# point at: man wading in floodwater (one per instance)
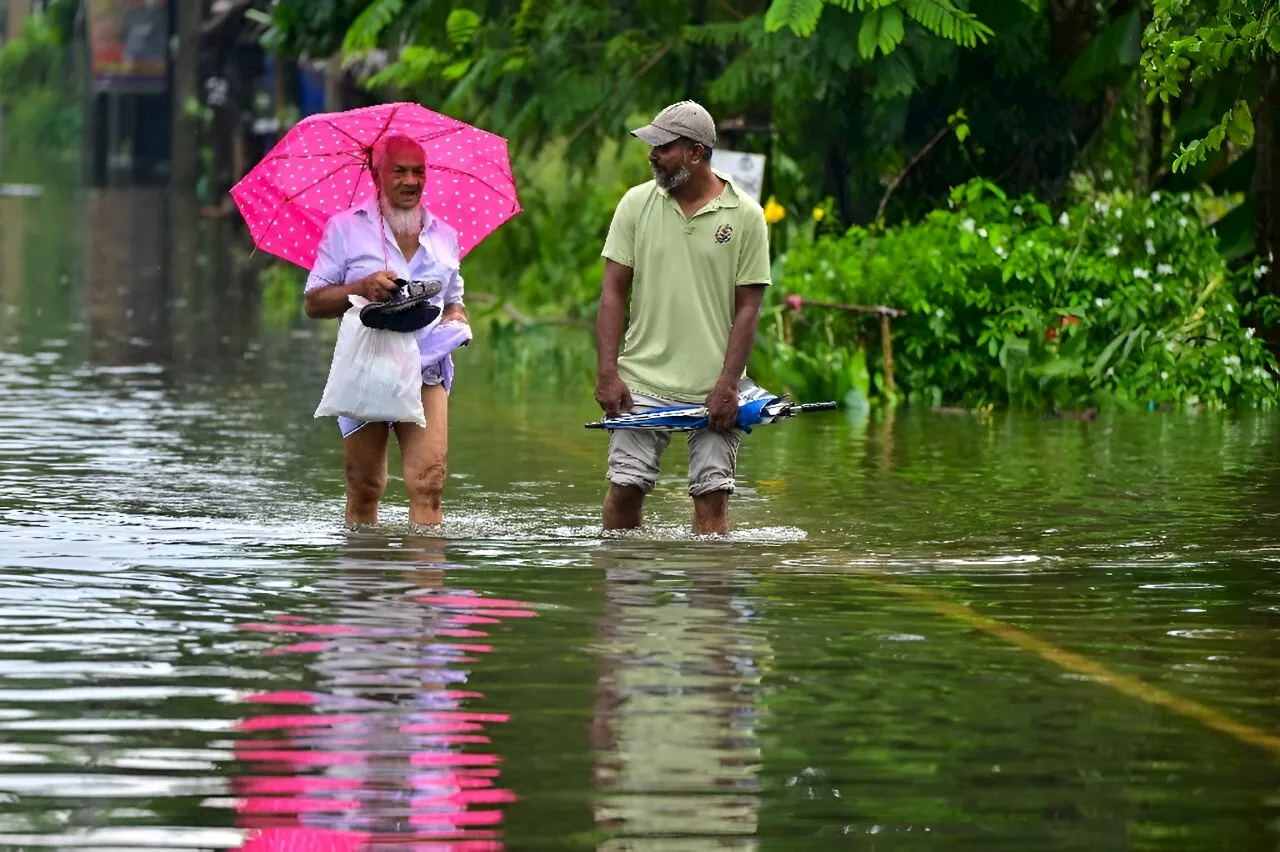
(364, 251)
(694, 253)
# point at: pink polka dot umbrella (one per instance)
(321, 167)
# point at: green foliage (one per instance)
(824, 368)
(1197, 44)
(42, 114)
(547, 259)
(825, 72)
(539, 355)
(943, 18)
(882, 29)
(800, 16)
(364, 31)
(1118, 300)
(281, 283)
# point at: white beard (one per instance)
(402, 222)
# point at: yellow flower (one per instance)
(819, 214)
(773, 211)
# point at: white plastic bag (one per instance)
(376, 375)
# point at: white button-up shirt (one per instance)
(356, 244)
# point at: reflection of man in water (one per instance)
(674, 726)
(389, 747)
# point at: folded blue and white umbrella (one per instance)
(755, 408)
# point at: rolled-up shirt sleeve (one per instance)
(330, 266)
(453, 290)
(448, 252)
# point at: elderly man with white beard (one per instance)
(364, 250)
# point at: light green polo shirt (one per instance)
(686, 272)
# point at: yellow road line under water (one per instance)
(1069, 660)
(1073, 662)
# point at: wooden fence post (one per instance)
(886, 352)
(886, 315)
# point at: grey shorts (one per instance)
(634, 454)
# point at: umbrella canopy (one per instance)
(322, 167)
(752, 411)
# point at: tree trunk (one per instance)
(1071, 26)
(17, 10)
(185, 143)
(1266, 186)
(1155, 153)
(695, 57)
(836, 182)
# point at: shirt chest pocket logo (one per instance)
(723, 234)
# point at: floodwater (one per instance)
(925, 632)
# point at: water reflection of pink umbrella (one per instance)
(321, 167)
(313, 770)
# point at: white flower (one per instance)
(1107, 174)
(1000, 251)
(1119, 212)
(1183, 222)
(1102, 208)
(1164, 375)
(1231, 361)
(1017, 209)
(1139, 272)
(1101, 302)
(1111, 371)
(1170, 346)
(1164, 269)
(1155, 197)
(1249, 333)
(1186, 198)
(1064, 220)
(982, 232)
(1113, 251)
(1151, 223)
(1157, 287)
(968, 224)
(1230, 309)
(1261, 270)
(1151, 247)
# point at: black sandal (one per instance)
(408, 311)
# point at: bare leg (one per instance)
(364, 457)
(425, 453)
(623, 507)
(711, 513)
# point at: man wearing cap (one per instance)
(693, 252)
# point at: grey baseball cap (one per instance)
(687, 119)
